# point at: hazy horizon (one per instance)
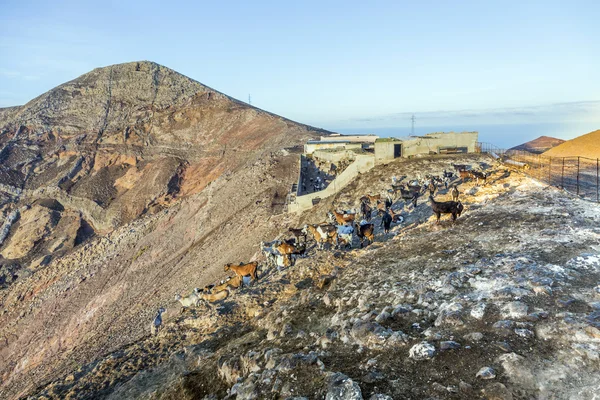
(501, 135)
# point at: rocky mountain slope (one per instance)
(502, 304)
(587, 145)
(118, 189)
(539, 145)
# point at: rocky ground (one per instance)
(502, 304)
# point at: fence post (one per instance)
(550, 171)
(598, 180)
(578, 176)
(562, 176)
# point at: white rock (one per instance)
(486, 373)
(422, 351)
(478, 311)
(515, 309)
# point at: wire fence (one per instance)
(578, 175)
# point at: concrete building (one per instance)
(387, 149)
(313, 145)
(367, 138)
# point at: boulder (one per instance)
(342, 387)
(422, 351)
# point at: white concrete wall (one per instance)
(434, 141)
(335, 156)
(362, 164)
(352, 138)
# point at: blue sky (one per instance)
(334, 64)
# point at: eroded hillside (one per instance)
(119, 189)
(502, 304)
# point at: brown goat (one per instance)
(366, 231)
(455, 193)
(212, 297)
(233, 283)
(464, 174)
(243, 269)
(343, 218)
(373, 198)
(323, 233)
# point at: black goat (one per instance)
(446, 207)
(479, 175)
(386, 222)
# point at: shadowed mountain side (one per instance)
(539, 145)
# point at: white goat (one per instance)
(191, 300)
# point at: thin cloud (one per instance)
(8, 73)
(572, 109)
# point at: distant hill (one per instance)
(587, 145)
(539, 145)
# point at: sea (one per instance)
(503, 136)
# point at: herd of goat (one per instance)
(341, 228)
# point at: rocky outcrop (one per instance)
(130, 139)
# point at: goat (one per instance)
(448, 174)
(395, 217)
(446, 207)
(157, 321)
(268, 250)
(212, 297)
(298, 233)
(287, 251)
(464, 174)
(373, 198)
(234, 283)
(432, 188)
(461, 167)
(341, 218)
(365, 231)
(344, 233)
(386, 221)
(383, 205)
(411, 194)
(322, 233)
(455, 193)
(243, 269)
(479, 175)
(189, 301)
(366, 210)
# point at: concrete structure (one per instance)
(335, 156)
(313, 145)
(369, 138)
(361, 164)
(387, 149)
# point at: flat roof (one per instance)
(328, 141)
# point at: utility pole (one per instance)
(249, 99)
(412, 130)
